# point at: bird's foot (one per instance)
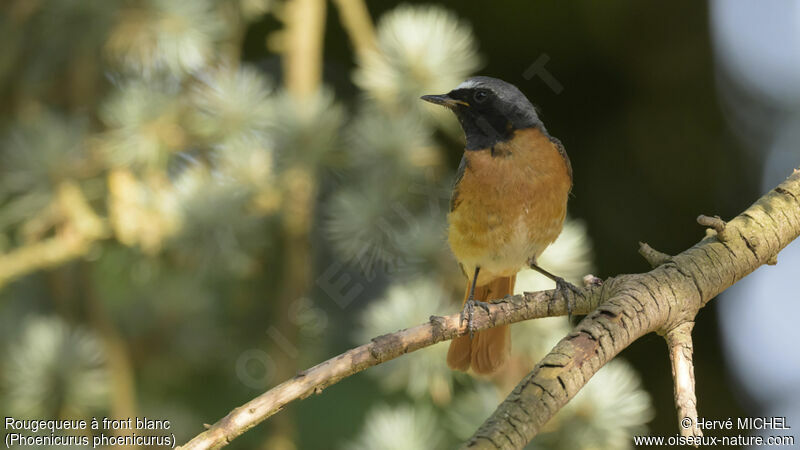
(564, 287)
(468, 314)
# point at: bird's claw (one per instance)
(563, 286)
(468, 314)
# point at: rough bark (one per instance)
(657, 301)
(620, 311)
(679, 344)
(384, 348)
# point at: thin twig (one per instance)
(713, 222)
(679, 342)
(383, 348)
(653, 256)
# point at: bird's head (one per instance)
(489, 110)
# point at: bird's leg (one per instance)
(469, 306)
(562, 286)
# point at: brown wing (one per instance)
(563, 153)
(459, 175)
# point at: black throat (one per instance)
(490, 111)
(485, 131)
(488, 126)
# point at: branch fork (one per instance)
(619, 311)
(715, 223)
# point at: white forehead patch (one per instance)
(469, 84)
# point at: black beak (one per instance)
(444, 100)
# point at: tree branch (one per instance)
(679, 343)
(78, 229)
(653, 256)
(620, 310)
(358, 24)
(531, 305)
(302, 57)
(713, 222)
(662, 300)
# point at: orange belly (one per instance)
(511, 204)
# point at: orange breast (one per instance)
(511, 203)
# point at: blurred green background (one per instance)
(200, 198)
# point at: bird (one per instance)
(508, 204)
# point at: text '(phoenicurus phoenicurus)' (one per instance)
(508, 204)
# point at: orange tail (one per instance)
(489, 349)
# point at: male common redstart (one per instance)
(508, 204)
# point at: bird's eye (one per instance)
(480, 95)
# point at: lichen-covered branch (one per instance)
(661, 300)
